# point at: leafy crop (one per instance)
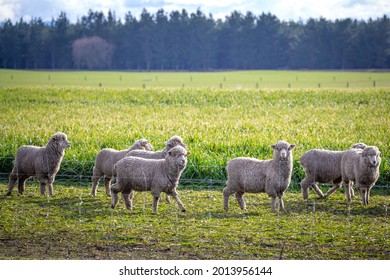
(217, 125)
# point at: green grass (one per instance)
(229, 79)
(74, 225)
(217, 125)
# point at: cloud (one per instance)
(283, 9)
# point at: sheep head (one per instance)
(282, 150)
(371, 156)
(173, 142)
(358, 146)
(178, 156)
(59, 141)
(145, 144)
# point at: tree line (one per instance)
(196, 41)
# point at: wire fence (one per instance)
(73, 172)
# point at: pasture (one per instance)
(228, 79)
(217, 124)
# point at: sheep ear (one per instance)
(292, 146)
(188, 153)
(273, 147)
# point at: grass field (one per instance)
(217, 125)
(230, 79)
(74, 225)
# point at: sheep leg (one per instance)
(167, 200)
(281, 204)
(368, 194)
(12, 181)
(305, 189)
(156, 198)
(333, 189)
(95, 183)
(317, 190)
(240, 200)
(128, 201)
(107, 183)
(347, 186)
(50, 186)
(226, 193)
(273, 204)
(175, 195)
(364, 195)
(114, 197)
(352, 191)
(22, 184)
(42, 187)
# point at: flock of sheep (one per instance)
(139, 168)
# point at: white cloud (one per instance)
(283, 9)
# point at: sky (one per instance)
(285, 10)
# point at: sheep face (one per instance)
(371, 156)
(282, 150)
(145, 144)
(60, 141)
(178, 156)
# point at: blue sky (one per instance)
(283, 9)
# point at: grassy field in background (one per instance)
(217, 125)
(228, 79)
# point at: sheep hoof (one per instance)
(112, 206)
(8, 193)
(183, 210)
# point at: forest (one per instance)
(183, 41)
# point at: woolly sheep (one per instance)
(105, 160)
(255, 176)
(322, 166)
(41, 162)
(155, 175)
(172, 142)
(361, 167)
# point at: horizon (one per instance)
(299, 11)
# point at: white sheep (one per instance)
(154, 175)
(361, 167)
(40, 162)
(105, 160)
(249, 175)
(172, 142)
(322, 166)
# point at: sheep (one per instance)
(322, 166)
(361, 167)
(105, 160)
(172, 142)
(255, 176)
(40, 162)
(154, 175)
